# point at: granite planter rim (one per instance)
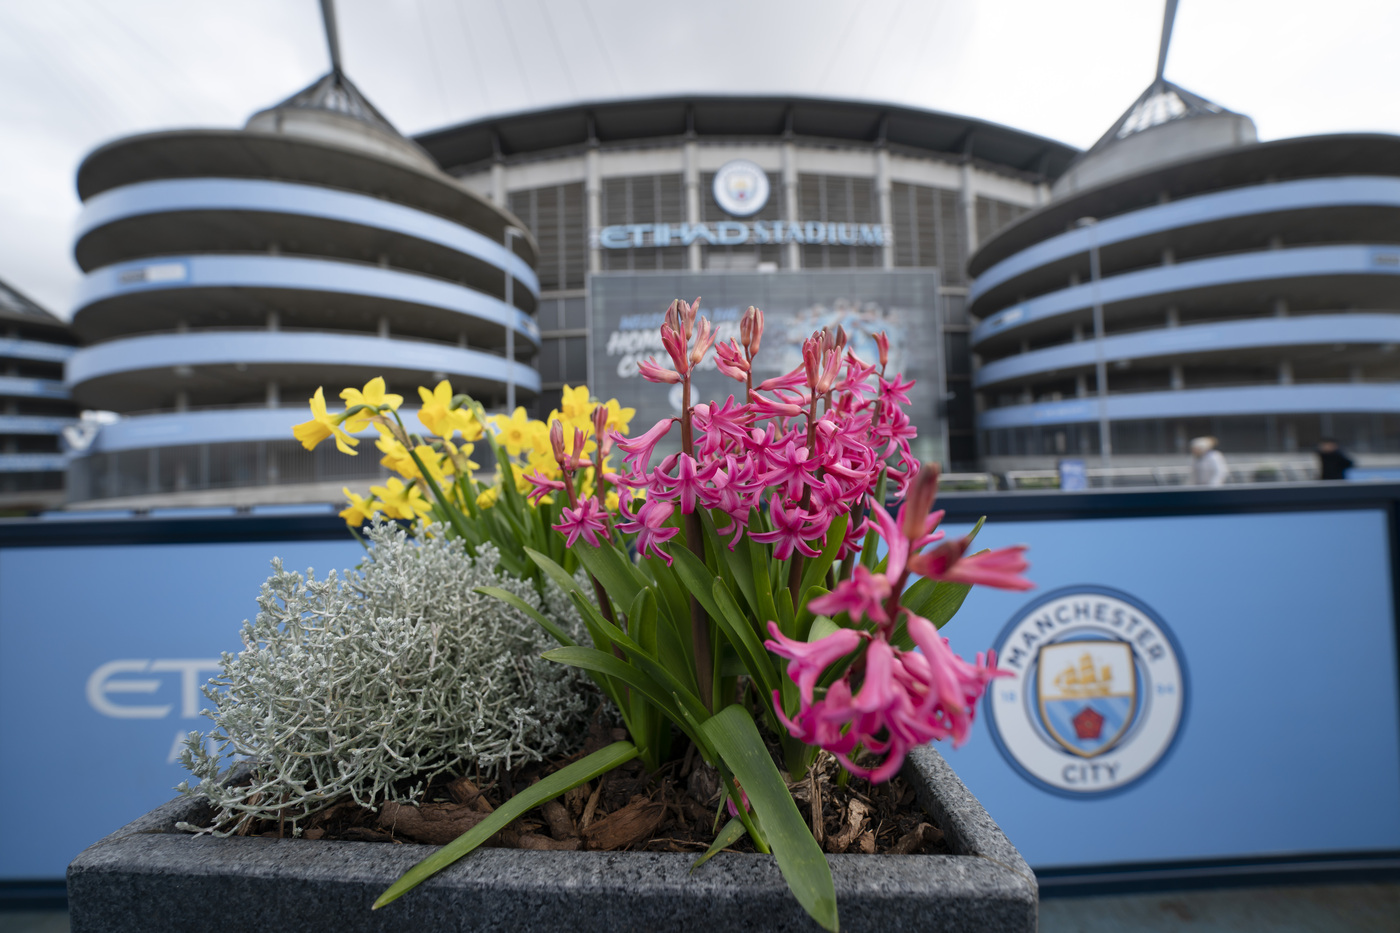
(147, 875)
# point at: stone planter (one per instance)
(147, 876)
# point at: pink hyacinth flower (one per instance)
(808, 659)
(791, 531)
(649, 525)
(543, 486)
(638, 450)
(1001, 568)
(586, 520)
(862, 595)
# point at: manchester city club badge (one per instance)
(1097, 695)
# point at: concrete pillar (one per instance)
(794, 251)
(1081, 386)
(274, 395)
(593, 194)
(691, 177)
(384, 328)
(1178, 378)
(182, 400)
(1355, 373)
(1173, 316)
(968, 194)
(1275, 242)
(1285, 372)
(498, 184)
(882, 189)
(1280, 308)
(1168, 256)
(274, 321)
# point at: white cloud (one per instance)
(79, 72)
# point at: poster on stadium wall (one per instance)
(626, 311)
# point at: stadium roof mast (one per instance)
(333, 38)
(1162, 102)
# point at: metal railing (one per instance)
(1259, 471)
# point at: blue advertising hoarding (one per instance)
(103, 650)
(1200, 676)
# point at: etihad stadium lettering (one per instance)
(738, 233)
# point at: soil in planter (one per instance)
(673, 810)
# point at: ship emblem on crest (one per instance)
(1084, 706)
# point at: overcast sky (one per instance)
(75, 73)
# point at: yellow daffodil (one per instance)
(372, 394)
(618, 417)
(359, 510)
(460, 456)
(400, 501)
(543, 460)
(611, 500)
(488, 497)
(438, 415)
(575, 405)
(323, 425)
(396, 457)
(513, 433)
(439, 467)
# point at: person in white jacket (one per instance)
(1207, 464)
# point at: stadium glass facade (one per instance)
(231, 273)
(1250, 292)
(628, 187)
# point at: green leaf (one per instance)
(641, 620)
(696, 578)
(733, 831)
(591, 659)
(609, 567)
(558, 574)
(815, 570)
(737, 563)
(936, 601)
(735, 737)
(742, 636)
(560, 782)
(545, 623)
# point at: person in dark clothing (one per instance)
(1333, 461)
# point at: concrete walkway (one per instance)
(1349, 908)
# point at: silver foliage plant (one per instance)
(347, 688)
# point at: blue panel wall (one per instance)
(102, 649)
(1278, 605)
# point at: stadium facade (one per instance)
(1249, 291)
(229, 273)
(820, 211)
(34, 405)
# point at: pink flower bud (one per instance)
(751, 330)
(688, 317)
(730, 360)
(882, 340)
(918, 502)
(703, 342)
(651, 371)
(811, 358)
(556, 442)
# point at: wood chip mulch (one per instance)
(673, 810)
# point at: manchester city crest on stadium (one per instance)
(741, 188)
(1097, 694)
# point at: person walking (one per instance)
(1332, 461)
(1208, 466)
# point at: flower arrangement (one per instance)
(762, 537)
